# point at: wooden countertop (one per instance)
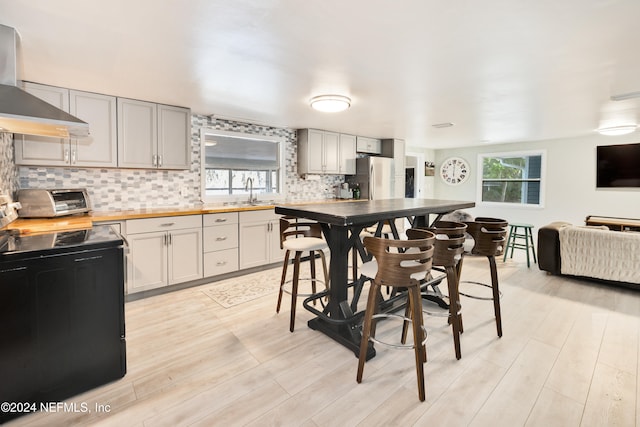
(78, 222)
(176, 211)
(47, 225)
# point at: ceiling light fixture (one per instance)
(617, 130)
(330, 103)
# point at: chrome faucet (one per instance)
(249, 186)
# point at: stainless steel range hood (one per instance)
(23, 113)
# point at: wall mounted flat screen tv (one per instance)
(618, 166)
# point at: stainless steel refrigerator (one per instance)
(375, 176)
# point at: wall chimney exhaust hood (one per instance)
(23, 113)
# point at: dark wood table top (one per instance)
(359, 212)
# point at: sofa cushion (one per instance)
(600, 253)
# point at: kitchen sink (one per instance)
(258, 203)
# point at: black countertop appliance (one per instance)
(62, 316)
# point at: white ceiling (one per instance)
(500, 70)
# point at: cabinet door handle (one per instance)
(170, 239)
(221, 220)
(154, 160)
(221, 263)
(66, 155)
(221, 239)
(73, 157)
(167, 224)
(164, 240)
(159, 161)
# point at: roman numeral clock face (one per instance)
(454, 171)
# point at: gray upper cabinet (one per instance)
(97, 150)
(321, 152)
(174, 137)
(153, 135)
(347, 154)
(100, 149)
(40, 150)
(317, 152)
(123, 133)
(368, 145)
(137, 133)
(395, 148)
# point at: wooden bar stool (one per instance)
(515, 240)
(488, 235)
(382, 229)
(300, 237)
(401, 264)
(447, 256)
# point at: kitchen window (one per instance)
(229, 159)
(512, 178)
(234, 181)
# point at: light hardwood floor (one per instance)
(568, 357)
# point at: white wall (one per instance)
(424, 183)
(570, 183)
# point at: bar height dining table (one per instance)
(341, 225)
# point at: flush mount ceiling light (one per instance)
(617, 130)
(330, 103)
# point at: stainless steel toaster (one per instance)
(50, 203)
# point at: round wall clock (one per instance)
(454, 171)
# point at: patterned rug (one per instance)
(231, 292)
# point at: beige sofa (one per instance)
(590, 251)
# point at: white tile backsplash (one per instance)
(8, 172)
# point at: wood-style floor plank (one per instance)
(569, 356)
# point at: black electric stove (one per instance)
(14, 246)
(62, 308)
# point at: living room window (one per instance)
(514, 178)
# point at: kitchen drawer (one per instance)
(258, 216)
(166, 223)
(220, 218)
(220, 237)
(220, 262)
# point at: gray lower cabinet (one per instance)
(163, 251)
(220, 235)
(169, 250)
(259, 238)
(97, 150)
